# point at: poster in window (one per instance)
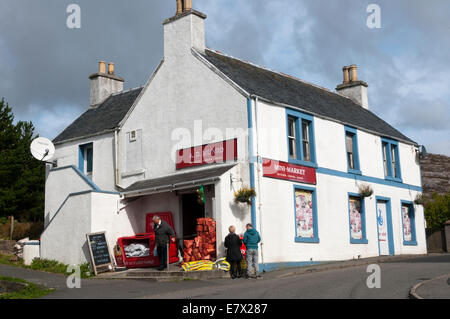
(406, 223)
(355, 219)
(304, 214)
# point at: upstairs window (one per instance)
(391, 160)
(300, 136)
(351, 144)
(86, 159)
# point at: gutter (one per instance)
(251, 157)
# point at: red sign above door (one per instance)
(288, 171)
(220, 152)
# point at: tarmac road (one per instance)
(397, 278)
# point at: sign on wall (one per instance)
(288, 171)
(214, 153)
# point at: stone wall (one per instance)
(435, 174)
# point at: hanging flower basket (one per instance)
(244, 195)
(419, 200)
(365, 190)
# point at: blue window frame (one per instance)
(351, 145)
(300, 138)
(86, 159)
(357, 219)
(408, 223)
(305, 214)
(391, 160)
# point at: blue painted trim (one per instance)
(389, 221)
(314, 239)
(388, 143)
(84, 177)
(267, 267)
(354, 133)
(327, 171)
(81, 158)
(251, 159)
(413, 241)
(363, 220)
(299, 116)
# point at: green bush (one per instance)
(437, 211)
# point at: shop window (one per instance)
(351, 144)
(408, 224)
(86, 159)
(391, 160)
(357, 219)
(300, 137)
(305, 204)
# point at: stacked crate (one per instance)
(203, 247)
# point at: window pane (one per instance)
(292, 150)
(89, 159)
(349, 145)
(291, 127)
(393, 158)
(385, 159)
(407, 223)
(292, 138)
(355, 218)
(304, 214)
(306, 142)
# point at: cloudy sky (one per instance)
(44, 66)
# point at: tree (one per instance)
(22, 178)
(437, 210)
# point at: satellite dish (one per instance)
(42, 149)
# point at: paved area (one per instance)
(436, 288)
(337, 280)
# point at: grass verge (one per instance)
(31, 291)
(46, 265)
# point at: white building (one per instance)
(306, 150)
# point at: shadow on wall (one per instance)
(86, 253)
(240, 211)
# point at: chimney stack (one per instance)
(352, 88)
(104, 84)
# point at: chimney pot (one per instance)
(346, 74)
(187, 5)
(102, 67)
(111, 68)
(179, 7)
(353, 73)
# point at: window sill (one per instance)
(359, 241)
(354, 171)
(393, 179)
(302, 163)
(410, 243)
(307, 240)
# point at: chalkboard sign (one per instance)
(98, 247)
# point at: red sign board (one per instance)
(220, 152)
(288, 171)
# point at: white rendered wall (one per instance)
(103, 155)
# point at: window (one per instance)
(132, 136)
(305, 204)
(408, 224)
(300, 133)
(357, 220)
(86, 159)
(391, 160)
(292, 137)
(351, 144)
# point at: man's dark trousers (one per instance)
(162, 256)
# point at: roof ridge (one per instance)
(126, 91)
(277, 72)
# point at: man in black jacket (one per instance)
(234, 256)
(163, 234)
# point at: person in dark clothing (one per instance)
(163, 234)
(234, 256)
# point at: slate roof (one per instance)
(290, 91)
(174, 180)
(105, 117)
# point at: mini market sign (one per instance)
(288, 171)
(221, 152)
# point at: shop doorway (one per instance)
(384, 225)
(191, 209)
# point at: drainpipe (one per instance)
(258, 165)
(251, 157)
(116, 160)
